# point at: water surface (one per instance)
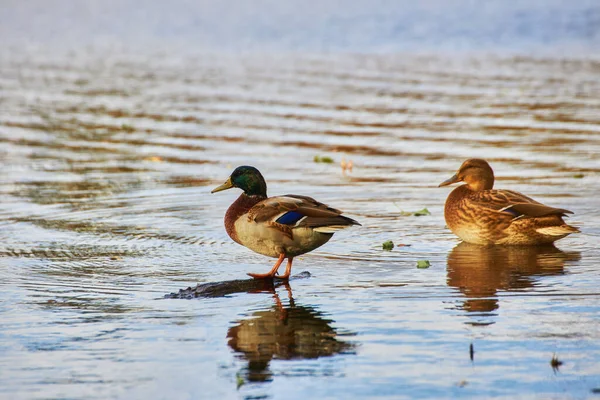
(108, 158)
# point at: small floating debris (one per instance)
(423, 264)
(388, 245)
(346, 165)
(323, 159)
(154, 159)
(555, 362)
(462, 384)
(239, 380)
(419, 213)
(127, 128)
(578, 176)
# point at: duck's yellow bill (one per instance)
(227, 185)
(450, 181)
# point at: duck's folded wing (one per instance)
(515, 204)
(293, 211)
(534, 210)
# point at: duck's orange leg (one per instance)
(288, 270)
(273, 270)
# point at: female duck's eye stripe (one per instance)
(289, 218)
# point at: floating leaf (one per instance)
(422, 212)
(423, 264)
(389, 245)
(419, 213)
(578, 176)
(239, 380)
(324, 159)
(127, 128)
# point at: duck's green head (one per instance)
(247, 178)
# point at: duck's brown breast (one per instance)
(454, 212)
(238, 208)
(468, 220)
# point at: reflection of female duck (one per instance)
(480, 271)
(292, 332)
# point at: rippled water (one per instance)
(108, 159)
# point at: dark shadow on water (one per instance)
(480, 272)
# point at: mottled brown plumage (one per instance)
(478, 214)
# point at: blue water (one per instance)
(548, 26)
(117, 118)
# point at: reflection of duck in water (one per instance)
(286, 333)
(479, 272)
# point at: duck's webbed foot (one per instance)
(271, 274)
(288, 270)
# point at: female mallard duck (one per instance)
(478, 214)
(280, 227)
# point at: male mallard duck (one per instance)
(478, 214)
(280, 227)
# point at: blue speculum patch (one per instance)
(290, 218)
(512, 212)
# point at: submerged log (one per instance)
(225, 288)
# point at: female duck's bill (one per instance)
(280, 227)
